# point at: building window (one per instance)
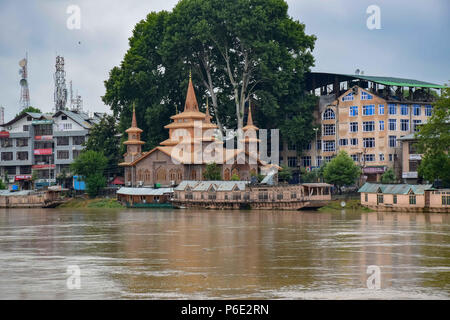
(354, 141)
(428, 110)
(292, 162)
(404, 124)
(22, 155)
(412, 199)
(381, 156)
(292, 146)
(318, 161)
(416, 109)
(355, 157)
(308, 146)
(413, 166)
(412, 146)
(328, 115)
(25, 169)
(392, 141)
(6, 143)
(76, 154)
(329, 129)
(353, 111)
(404, 109)
(329, 145)
(279, 196)
(62, 141)
(445, 200)
(67, 126)
(353, 126)
(366, 96)
(369, 142)
(394, 199)
(7, 156)
(21, 142)
(293, 195)
(369, 157)
(416, 125)
(306, 161)
(380, 198)
(263, 196)
(26, 128)
(43, 130)
(392, 108)
(78, 141)
(365, 197)
(381, 125)
(328, 158)
(63, 117)
(391, 158)
(63, 154)
(368, 126)
(381, 109)
(369, 110)
(319, 145)
(348, 97)
(392, 124)
(343, 142)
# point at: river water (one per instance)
(188, 254)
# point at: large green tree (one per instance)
(91, 165)
(104, 137)
(341, 171)
(237, 50)
(29, 109)
(434, 142)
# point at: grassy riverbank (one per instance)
(352, 205)
(92, 203)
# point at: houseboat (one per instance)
(244, 195)
(405, 197)
(145, 197)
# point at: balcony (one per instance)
(410, 175)
(416, 157)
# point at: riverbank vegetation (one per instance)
(350, 205)
(92, 203)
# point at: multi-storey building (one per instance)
(365, 116)
(44, 143)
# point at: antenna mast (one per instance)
(60, 95)
(24, 101)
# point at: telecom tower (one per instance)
(24, 91)
(60, 85)
(77, 103)
(2, 115)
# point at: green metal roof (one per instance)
(394, 188)
(400, 82)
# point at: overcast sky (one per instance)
(413, 42)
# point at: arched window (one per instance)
(235, 172)
(328, 115)
(147, 176)
(160, 175)
(226, 174)
(193, 175)
(179, 175)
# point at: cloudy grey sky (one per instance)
(413, 42)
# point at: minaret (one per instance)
(250, 132)
(134, 143)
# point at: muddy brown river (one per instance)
(188, 254)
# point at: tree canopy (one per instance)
(434, 142)
(91, 165)
(341, 170)
(388, 176)
(104, 137)
(29, 109)
(237, 50)
(212, 172)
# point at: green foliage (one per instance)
(91, 165)
(388, 176)
(258, 176)
(29, 109)
(312, 176)
(2, 185)
(104, 138)
(436, 165)
(434, 142)
(235, 177)
(285, 174)
(212, 172)
(243, 48)
(341, 170)
(94, 183)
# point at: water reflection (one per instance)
(222, 254)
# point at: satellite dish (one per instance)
(23, 62)
(357, 71)
(23, 82)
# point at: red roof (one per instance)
(118, 180)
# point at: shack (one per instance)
(145, 197)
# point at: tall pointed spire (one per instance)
(134, 122)
(191, 101)
(250, 119)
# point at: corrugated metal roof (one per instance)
(144, 191)
(394, 188)
(206, 185)
(7, 193)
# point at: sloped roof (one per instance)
(205, 185)
(394, 188)
(34, 115)
(144, 191)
